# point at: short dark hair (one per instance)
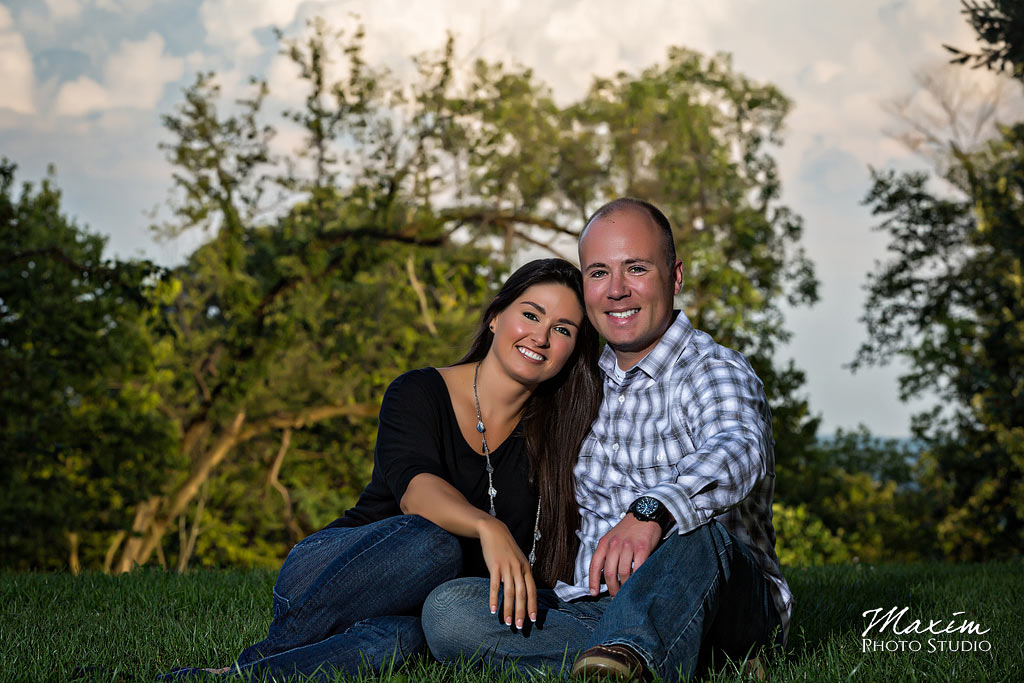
(650, 210)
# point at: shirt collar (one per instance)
(660, 358)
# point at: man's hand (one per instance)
(621, 552)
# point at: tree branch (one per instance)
(152, 516)
(503, 218)
(287, 284)
(421, 295)
(526, 238)
(272, 480)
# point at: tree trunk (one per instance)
(153, 516)
(108, 559)
(138, 550)
(74, 564)
(189, 546)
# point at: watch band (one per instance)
(649, 509)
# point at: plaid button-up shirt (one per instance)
(689, 425)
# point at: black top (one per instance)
(419, 433)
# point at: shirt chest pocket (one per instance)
(656, 463)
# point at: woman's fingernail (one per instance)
(508, 621)
(533, 617)
(494, 609)
(519, 623)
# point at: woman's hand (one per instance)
(509, 567)
(435, 499)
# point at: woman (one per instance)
(472, 477)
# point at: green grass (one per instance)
(150, 621)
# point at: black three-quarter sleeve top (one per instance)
(419, 433)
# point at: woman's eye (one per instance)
(563, 330)
(530, 316)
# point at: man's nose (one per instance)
(617, 287)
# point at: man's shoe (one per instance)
(619, 662)
(754, 667)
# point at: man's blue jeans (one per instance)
(349, 598)
(697, 591)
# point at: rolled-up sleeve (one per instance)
(726, 412)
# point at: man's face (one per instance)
(628, 285)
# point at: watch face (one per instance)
(646, 506)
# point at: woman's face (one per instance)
(536, 334)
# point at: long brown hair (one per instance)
(556, 419)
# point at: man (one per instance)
(674, 485)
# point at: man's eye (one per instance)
(637, 269)
(530, 316)
(597, 273)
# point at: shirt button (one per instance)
(622, 515)
(661, 457)
(615, 446)
(622, 399)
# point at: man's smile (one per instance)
(622, 315)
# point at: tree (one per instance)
(324, 276)
(855, 497)
(261, 348)
(1000, 28)
(950, 302)
(517, 170)
(80, 426)
(692, 136)
(951, 108)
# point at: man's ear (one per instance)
(677, 277)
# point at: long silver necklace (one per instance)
(491, 491)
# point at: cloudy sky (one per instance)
(83, 82)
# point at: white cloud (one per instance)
(824, 71)
(120, 6)
(284, 81)
(868, 62)
(565, 42)
(135, 76)
(230, 24)
(62, 10)
(16, 72)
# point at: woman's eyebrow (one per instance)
(544, 312)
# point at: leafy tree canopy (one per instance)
(1000, 28)
(328, 271)
(950, 302)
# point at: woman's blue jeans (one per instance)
(348, 598)
(699, 593)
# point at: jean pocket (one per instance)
(281, 604)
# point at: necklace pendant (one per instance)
(490, 469)
(492, 492)
(532, 558)
(536, 535)
(480, 426)
(493, 513)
